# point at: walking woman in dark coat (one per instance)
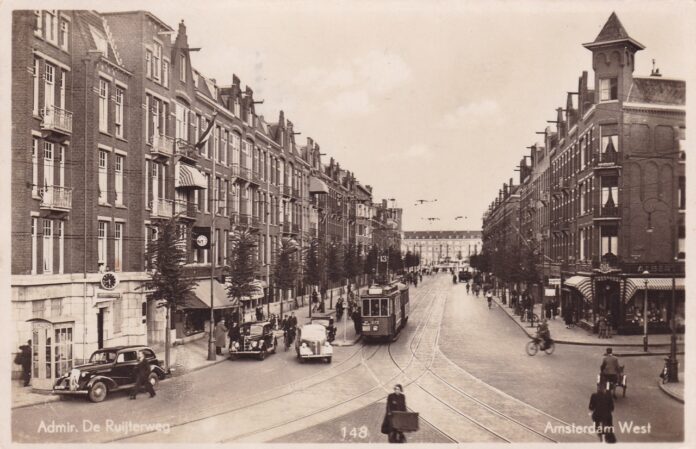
(396, 402)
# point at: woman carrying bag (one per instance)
(396, 402)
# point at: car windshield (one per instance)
(313, 332)
(103, 357)
(255, 330)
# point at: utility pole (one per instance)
(213, 243)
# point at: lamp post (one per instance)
(672, 362)
(645, 312)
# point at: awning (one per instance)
(316, 185)
(581, 283)
(634, 284)
(258, 290)
(201, 296)
(189, 177)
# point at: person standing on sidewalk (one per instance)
(142, 377)
(233, 334)
(396, 402)
(23, 359)
(220, 334)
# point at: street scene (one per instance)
(300, 223)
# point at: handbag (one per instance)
(386, 425)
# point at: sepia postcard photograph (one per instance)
(346, 222)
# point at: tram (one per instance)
(384, 311)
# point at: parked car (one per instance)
(108, 370)
(312, 343)
(255, 338)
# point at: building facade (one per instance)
(441, 248)
(119, 133)
(609, 185)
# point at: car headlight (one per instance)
(304, 345)
(83, 375)
(236, 344)
(254, 344)
(326, 343)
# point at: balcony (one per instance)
(162, 145)
(287, 190)
(245, 173)
(56, 198)
(608, 159)
(57, 120)
(244, 219)
(186, 151)
(185, 209)
(607, 212)
(235, 170)
(161, 208)
(287, 228)
(256, 177)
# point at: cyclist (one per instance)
(610, 369)
(467, 288)
(489, 298)
(544, 334)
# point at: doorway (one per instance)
(100, 328)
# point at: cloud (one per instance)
(468, 112)
(350, 86)
(414, 152)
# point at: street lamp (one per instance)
(645, 312)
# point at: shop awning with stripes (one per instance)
(316, 185)
(583, 284)
(635, 284)
(189, 177)
(200, 297)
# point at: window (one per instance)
(182, 68)
(223, 148)
(118, 179)
(216, 143)
(223, 198)
(103, 158)
(681, 193)
(608, 89)
(101, 244)
(118, 246)
(682, 242)
(118, 113)
(206, 204)
(34, 249)
(47, 246)
(610, 191)
(103, 105)
(61, 166)
(60, 231)
(51, 26)
(49, 88)
(35, 93)
(157, 62)
(182, 122)
(609, 144)
(236, 141)
(148, 63)
(165, 73)
(64, 34)
(236, 107)
(34, 166)
(610, 240)
(48, 165)
(61, 86)
(38, 23)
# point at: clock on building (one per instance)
(202, 240)
(109, 281)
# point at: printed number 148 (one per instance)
(354, 432)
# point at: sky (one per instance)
(421, 100)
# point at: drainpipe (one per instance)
(84, 193)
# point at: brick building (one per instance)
(608, 183)
(105, 148)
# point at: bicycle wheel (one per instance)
(532, 348)
(549, 350)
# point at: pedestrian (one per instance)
(142, 377)
(357, 321)
(23, 358)
(315, 300)
(601, 408)
(568, 316)
(293, 320)
(602, 327)
(220, 333)
(396, 402)
(233, 334)
(610, 320)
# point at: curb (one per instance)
(578, 343)
(669, 393)
(49, 398)
(348, 343)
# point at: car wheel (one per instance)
(98, 392)
(328, 360)
(262, 354)
(153, 378)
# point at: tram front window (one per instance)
(385, 307)
(374, 309)
(366, 307)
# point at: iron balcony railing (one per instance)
(56, 198)
(162, 208)
(607, 212)
(186, 150)
(57, 119)
(162, 145)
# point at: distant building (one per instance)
(442, 247)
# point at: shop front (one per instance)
(651, 299)
(52, 350)
(193, 316)
(577, 301)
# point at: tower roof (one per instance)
(613, 32)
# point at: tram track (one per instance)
(292, 388)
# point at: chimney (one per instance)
(235, 80)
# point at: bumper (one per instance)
(315, 356)
(255, 351)
(69, 392)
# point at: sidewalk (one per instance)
(579, 336)
(674, 390)
(193, 355)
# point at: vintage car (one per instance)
(328, 322)
(255, 338)
(312, 343)
(108, 370)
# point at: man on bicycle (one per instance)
(610, 368)
(544, 334)
(489, 298)
(467, 288)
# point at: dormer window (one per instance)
(236, 107)
(608, 89)
(182, 68)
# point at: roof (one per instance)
(120, 348)
(658, 91)
(442, 235)
(613, 32)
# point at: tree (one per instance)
(286, 268)
(334, 263)
(396, 262)
(312, 263)
(371, 261)
(169, 281)
(351, 262)
(243, 265)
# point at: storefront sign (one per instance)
(653, 268)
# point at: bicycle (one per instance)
(537, 344)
